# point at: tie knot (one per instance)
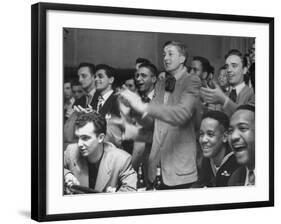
(145, 98)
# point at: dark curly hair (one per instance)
(97, 119)
(221, 117)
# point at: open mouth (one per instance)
(239, 148)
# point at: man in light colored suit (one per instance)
(173, 110)
(239, 93)
(94, 163)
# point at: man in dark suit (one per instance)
(173, 110)
(105, 101)
(219, 161)
(239, 93)
(94, 163)
(86, 75)
(242, 141)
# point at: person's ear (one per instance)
(245, 70)
(111, 80)
(182, 59)
(154, 79)
(101, 137)
(224, 137)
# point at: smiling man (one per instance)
(239, 93)
(94, 163)
(173, 110)
(105, 101)
(242, 141)
(219, 161)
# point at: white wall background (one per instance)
(15, 110)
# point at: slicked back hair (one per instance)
(88, 65)
(180, 46)
(239, 54)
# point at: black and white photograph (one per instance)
(149, 112)
(157, 111)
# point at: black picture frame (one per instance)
(39, 112)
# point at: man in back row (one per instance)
(239, 93)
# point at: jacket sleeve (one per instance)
(68, 128)
(230, 107)
(127, 176)
(183, 111)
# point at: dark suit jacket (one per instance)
(174, 139)
(246, 96)
(115, 169)
(207, 177)
(81, 101)
(238, 178)
(110, 106)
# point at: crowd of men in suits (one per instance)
(183, 126)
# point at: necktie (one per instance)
(100, 102)
(170, 83)
(89, 99)
(251, 178)
(145, 98)
(233, 95)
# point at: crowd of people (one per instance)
(184, 127)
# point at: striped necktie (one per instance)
(100, 102)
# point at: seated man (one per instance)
(242, 141)
(218, 160)
(94, 163)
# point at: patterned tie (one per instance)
(89, 99)
(233, 95)
(170, 83)
(145, 98)
(100, 102)
(251, 178)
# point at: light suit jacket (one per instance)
(115, 168)
(246, 96)
(174, 139)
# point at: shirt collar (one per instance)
(151, 94)
(247, 175)
(107, 95)
(239, 87)
(92, 92)
(225, 158)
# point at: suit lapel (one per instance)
(95, 100)
(107, 105)
(104, 172)
(242, 93)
